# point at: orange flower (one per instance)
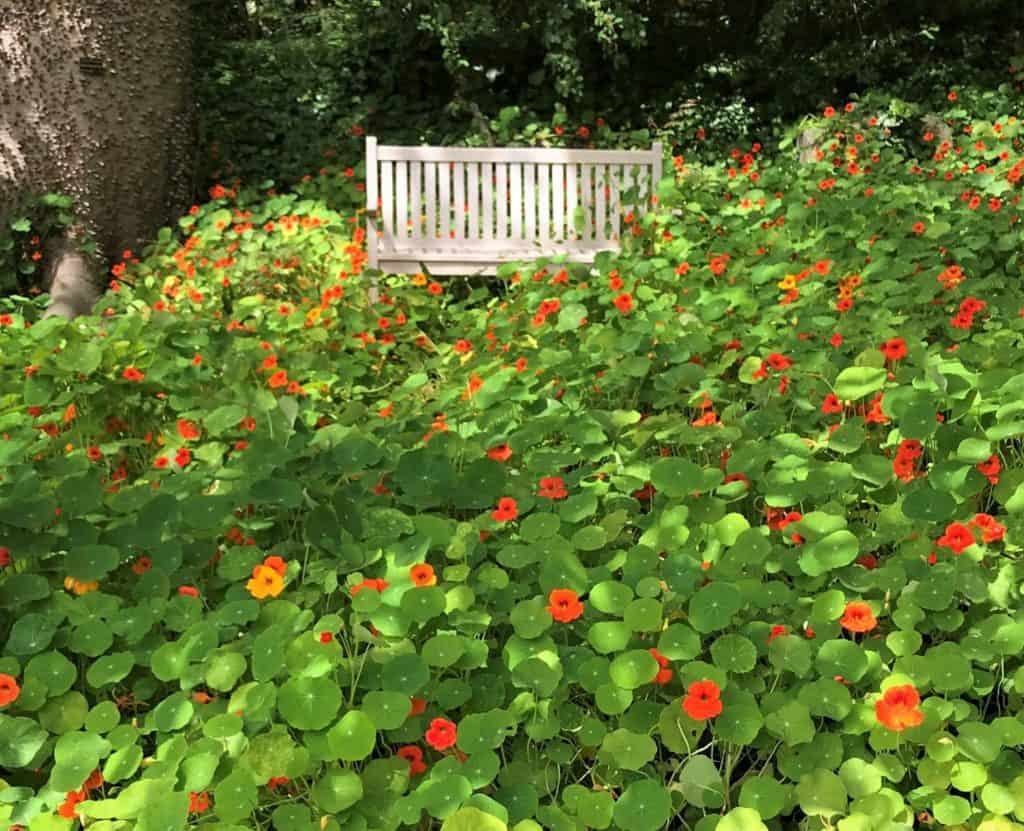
(278, 379)
(276, 563)
(702, 700)
(67, 808)
(376, 585)
(142, 565)
(132, 374)
(9, 690)
(564, 605)
(422, 574)
(897, 708)
(265, 582)
(858, 617)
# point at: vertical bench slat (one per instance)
(615, 175)
(371, 201)
(487, 195)
(601, 219)
(530, 200)
(544, 202)
(430, 173)
(459, 200)
(587, 201)
(502, 200)
(387, 194)
(416, 199)
(658, 152)
(515, 200)
(626, 203)
(571, 201)
(444, 201)
(473, 197)
(558, 202)
(401, 200)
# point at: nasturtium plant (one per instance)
(721, 531)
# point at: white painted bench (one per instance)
(462, 210)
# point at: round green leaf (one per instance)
(353, 738)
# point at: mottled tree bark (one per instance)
(96, 102)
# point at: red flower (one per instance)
(5, 556)
(506, 511)
(198, 803)
(276, 781)
(910, 449)
(276, 563)
(462, 347)
(132, 374)
(991, 529)
(778, 361)
(187, 430)
(665, 672)
(777, 631)
(183, 457)
(894, 349)
(831, 404)
(441, 734)
(564, 605)
(94, 453)
(94, 781)
(501, 453)
(417, 706)
(9, 689)
(858, 617)
(414, 756)
(990, 469)
(188, 591)
(702, 700)
(957, 537)
(624, 302)
(897, 709)
(552, 487)
(326, 637)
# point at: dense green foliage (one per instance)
(776, 439)
(288, 81)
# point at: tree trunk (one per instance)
(96, 103)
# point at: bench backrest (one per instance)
(464, 210)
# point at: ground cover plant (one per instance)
(722, 533)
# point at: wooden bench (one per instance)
(461, 210)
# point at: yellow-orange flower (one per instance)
(787, 283)
(80, 586)
(422, 574)
(265, 582)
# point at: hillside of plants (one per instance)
(724, 532)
